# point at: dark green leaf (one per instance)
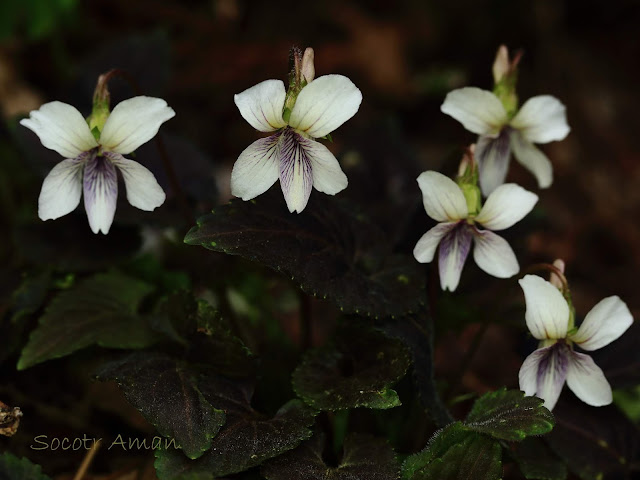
(595, 443)
(357, 370)
(101, 310)
(416, 332)
(247, 439)
(509, 415)
(439, 444)
(166, 392)
(31, 294)
(364, 458)
(14, 468)
(536, 461)
(206, 335)
(477, 457)
(327, 249)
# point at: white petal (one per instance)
(425, 249)
(587, 381)
(547, 312)
(262, 104)
(143, 191)
(507, 205)
(479, 111)
(609, 319)
(543, 373)
(542, 119)
(493, 254)
(296, 177)
(492, 155)
(442, 197)
(100, 193)
(324, 105)
(61, 189)
(257, 168)
(328, 177)
(454, 249)
(531, 158)
(134, 122)
(62, 128)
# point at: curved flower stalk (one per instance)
(503, 129)
(550, 319)
(292, 153)
(92, 156)
(445, 202)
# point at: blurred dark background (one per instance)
(405, 56)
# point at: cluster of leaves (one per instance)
(195, 376)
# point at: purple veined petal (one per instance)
(547, 313)
(544, 372)
(454, 249)
(133, 122)
(262, 105)
(296, 175)
(587, 381)
(143, 190)
(62, 189)
(492, 155)
(494, 255)
(609, 319)
(542, 119)
(62, 128)
(507, 205)
(257, 168)
(328, 176)
(531, 158)
(479, 111)
(425, 249)
(100, 193)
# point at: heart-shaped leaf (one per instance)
(100, 310)
(364, 458)
(247, 439)
(166, 392)
(328, 250)
(356, 370)
(509, 415)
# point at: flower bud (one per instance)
(100, 110)
(308, 69)
(501, 64)
(554, 279)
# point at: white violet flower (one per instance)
(292, 154)
(445, 202)
(541, 119)
(550, 320)
(90, 164)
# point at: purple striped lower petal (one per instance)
(100, 186)
(296, 176)
(454, 249)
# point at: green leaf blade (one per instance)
(364, 458)
(328, 250)
(166, 393)
(101, 310)
(356, 371)
(509, 415)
